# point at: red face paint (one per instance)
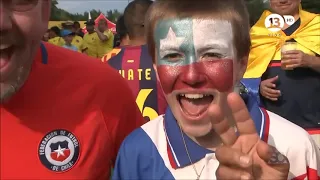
(201, 75)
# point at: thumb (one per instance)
(274, 79)
(271, 155)
(264, 151)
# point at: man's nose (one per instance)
(193, 76)
(5, 15)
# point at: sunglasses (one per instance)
(20, 5)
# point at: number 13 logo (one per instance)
(274, 22)
(141, 99)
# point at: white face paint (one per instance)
(170, 43)
(194, 40)
(213, 36)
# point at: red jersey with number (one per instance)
(136, 66)
(110, 54)
(67, 121)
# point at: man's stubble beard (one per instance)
(15, 82)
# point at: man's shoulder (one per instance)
(78, 39)
(89, 35)
(146, 134)
(107, 32)
(78, 65)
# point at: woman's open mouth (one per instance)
(194, 105)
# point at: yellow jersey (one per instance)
(90, 41)
(78, 42)
(105, 46)
(58, 41)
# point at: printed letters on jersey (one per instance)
(59, 150)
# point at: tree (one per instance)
(255, 9)
(58, 14)
(311, 5)
(113, 15)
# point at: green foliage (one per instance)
(255, 8)
(58, 14)
(311, 5)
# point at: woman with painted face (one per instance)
(200, 49)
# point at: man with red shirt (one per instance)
(59, 117)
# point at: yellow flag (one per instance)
(264, 47)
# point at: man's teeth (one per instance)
(194, 96)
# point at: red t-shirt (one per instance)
(67, 121)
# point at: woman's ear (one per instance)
(242, 65)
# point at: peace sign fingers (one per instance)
(223, 124)
(241, 115)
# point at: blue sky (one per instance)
(79, 6)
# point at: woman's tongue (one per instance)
(195, 107)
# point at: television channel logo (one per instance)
(276, 22)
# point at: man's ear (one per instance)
(242, 65)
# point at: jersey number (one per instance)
(141, 99)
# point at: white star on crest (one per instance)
(171, 40)
(60, 151)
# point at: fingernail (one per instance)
(244, 160)
(245, 177)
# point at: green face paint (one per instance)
(175, 36)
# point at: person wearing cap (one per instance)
(77, 40)
(67, 36)
(54, 36)
(90, 39)
(105, 38)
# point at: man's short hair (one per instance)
(134, 15)
(104, 21)
(121, 28)
(76, 23)
(234, 11)
(56, 30)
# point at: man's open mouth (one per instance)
(5, 54)
(194, 104)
